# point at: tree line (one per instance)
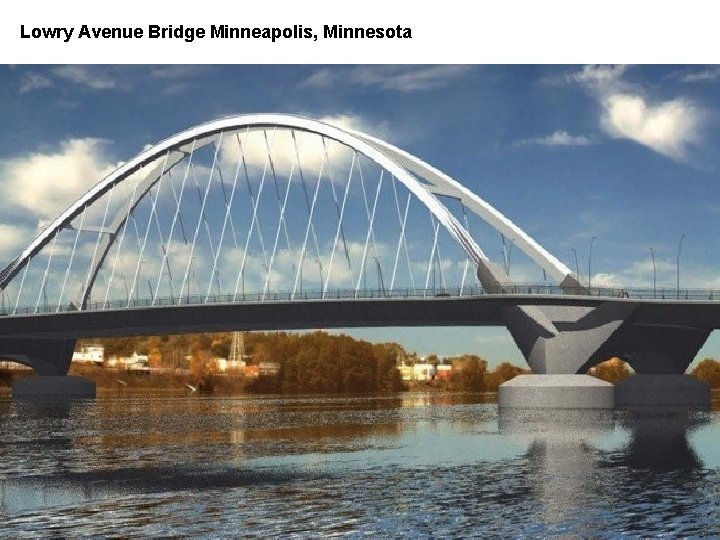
(315, 362)
(319, 362)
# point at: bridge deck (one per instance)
(485, 310)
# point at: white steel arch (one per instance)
(203, 134)
(442, 184)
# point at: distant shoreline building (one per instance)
(139, 362)
(92, 354)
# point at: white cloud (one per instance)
(558, 138)
(606, 280)
(34, 81)
(12, 239)
(399, 78)
(323, 78)
(640, 275)
(668, 127)
(709, 74)
(599, 77)
(45, 183)
(310, 147)
(92, 77)
(284, 272)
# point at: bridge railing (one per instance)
(371, 294)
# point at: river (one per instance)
(411, 464)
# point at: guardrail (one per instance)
(369, 294)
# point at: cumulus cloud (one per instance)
(310, 147)
(399, 78)
(606, 280)
(669, 127)
(45, 183)
(12, 239)
(558, 138)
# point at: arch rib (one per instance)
(203, 134)
(442, 184)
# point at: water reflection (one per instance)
(659, 438)
(72, 489)
(560, 456)
(415, 464)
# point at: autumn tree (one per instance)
(503, 373)
(612, 371)
(709, 371)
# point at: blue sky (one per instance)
(627, 154)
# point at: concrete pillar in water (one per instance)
(50, 359)
(560, 343)
(666, 390)
(53, 387)
(556, 392)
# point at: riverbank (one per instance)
(114, 381)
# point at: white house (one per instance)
(94, 354)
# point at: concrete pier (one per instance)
(53, 387)
(556, 392)
(662, 390)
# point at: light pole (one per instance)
(592, 241)
(652, 254)
(678, 265)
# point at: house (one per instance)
(252, 371)
(268, 368)
(406, 372)
(91, 354)
(135, 362)
(420, 371)
(423, 372)
(443, 372)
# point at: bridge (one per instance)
(271, 221)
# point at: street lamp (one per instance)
(678, 264)
(652, 254)
(592, 241)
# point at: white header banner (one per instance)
(372, 31)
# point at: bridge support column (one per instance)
(53, 387)
(50, 359)
(566, 341)
(666, 390)
(556, 392)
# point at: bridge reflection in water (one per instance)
(449, 463)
